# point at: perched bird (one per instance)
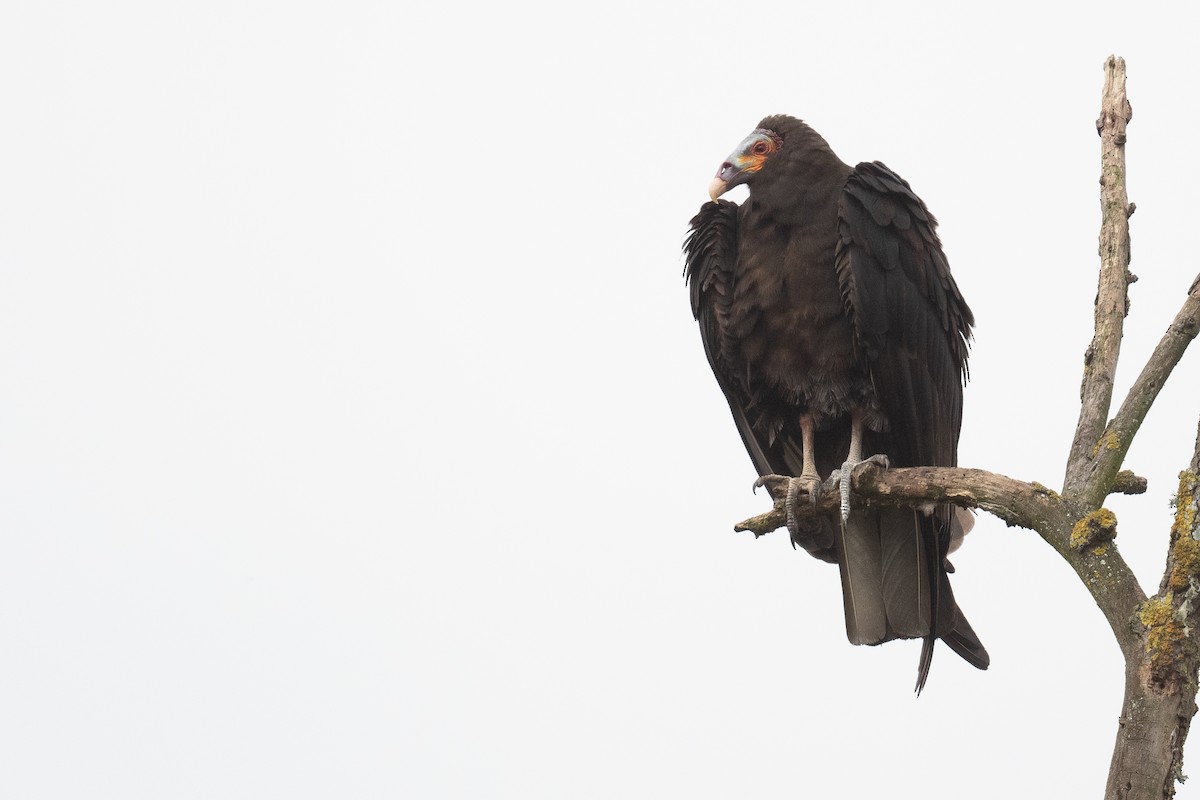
(834, 328)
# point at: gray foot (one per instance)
(790, 490)
(849, 469)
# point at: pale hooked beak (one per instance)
(740, 166)
(718, 186)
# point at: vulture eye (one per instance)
(760, 148)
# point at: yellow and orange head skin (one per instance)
(744, 162)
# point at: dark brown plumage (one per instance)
(828, 311)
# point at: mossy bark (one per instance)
(1161, 665)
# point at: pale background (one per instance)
(356, 439)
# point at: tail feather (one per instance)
(860, 565)
(905, 572)
(895, 586)
(949, 623)
(952, 626)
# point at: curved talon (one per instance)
(771, 482)
(878, 460)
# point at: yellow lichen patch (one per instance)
(1164, 636)
(1185, 551)
(1185, 503)
(1045, 491)
(1108, 441)
(1094, 530)
(1156, 612)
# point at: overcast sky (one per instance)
(356, 439)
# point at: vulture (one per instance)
(834, 328)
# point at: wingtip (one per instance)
(924, 664)
(963, 641)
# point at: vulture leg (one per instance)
(854, 460)
(807, 482)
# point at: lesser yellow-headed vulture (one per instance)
(834, 327)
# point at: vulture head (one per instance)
(782, 150)
(746, 161)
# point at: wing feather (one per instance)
(710, 269)
(912, 329)
(711, 253)
(910, 322)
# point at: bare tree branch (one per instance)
(1016, 502)
(1110, 452)
(1083, 537)
(1100, 361)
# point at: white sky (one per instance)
(356, 439)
